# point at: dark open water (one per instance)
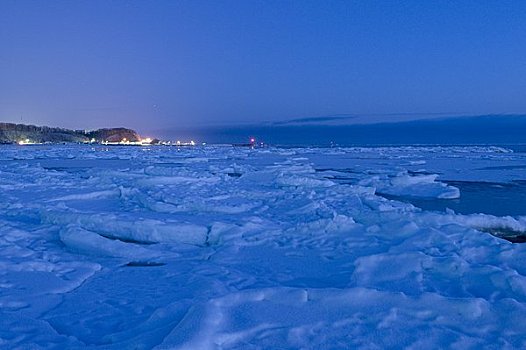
(479, 197)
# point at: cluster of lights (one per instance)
(179, 143)
(142, 142)
(26, 142)
(125, 141)
(146, 142)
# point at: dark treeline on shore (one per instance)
(14, 133)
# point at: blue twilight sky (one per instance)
(151, 65)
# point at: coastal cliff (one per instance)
(15, 133)
(114, 135)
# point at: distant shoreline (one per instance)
(11, 133)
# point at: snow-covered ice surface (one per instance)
(234, 248)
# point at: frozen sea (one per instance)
(219, 247)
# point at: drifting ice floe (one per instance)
(83, 241)
(145, 231)
(418, 186)
(224, 248)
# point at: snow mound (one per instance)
(324, 319)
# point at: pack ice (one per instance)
(233, 248)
